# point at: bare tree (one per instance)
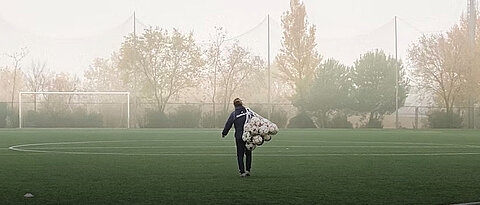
(37, 79)
(237, 72)
(215, 61)
(17, 58)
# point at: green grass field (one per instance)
(189, 166)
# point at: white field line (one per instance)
(372, 142)
(257, 155)
(268, 146)
(164, 140)
(19, 148)
(468, 203)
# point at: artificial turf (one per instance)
(196, 166)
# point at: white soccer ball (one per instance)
(249, 139)
(266, 121)
(250, 146)
(267, 138)
(257, 140)
(255, 130)
(276, 127)
(273, 130)
(263, 130)
(260, 123)
(245, 136)
(248, 127)
(255, 121)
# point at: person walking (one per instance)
(238, 118)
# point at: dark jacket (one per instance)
(237, 121)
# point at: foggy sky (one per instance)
(339, 23)
(337, 18)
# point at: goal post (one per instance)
(62, 93)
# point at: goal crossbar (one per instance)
(72, 93)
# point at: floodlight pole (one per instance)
(128, 110)
(269, 75)
(135, 76)
(396, 75)
(134, 26)
(19, 109)
(472, 20)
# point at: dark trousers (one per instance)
(241, 151)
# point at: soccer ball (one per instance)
(257, 140)
(273, 129)
(250, 146)
(263, 130)
(255, 130)
(266, 122)
(246, 136)
(267, 138)
(255, 120)
(248, 127)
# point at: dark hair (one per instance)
(237, 102)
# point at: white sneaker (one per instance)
(243, 174)
(247, 173)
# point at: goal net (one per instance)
(74, 110)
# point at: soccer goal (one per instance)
(74, 109)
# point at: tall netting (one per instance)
(73, 110)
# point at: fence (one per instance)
(144, 115)
(417, 117)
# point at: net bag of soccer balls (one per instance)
(257, 130)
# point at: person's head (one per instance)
(237, 102)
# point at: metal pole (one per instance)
(269, 77)
(19, 109)
(472, 20)
(128, 110)
(396, 75)
(416, 117)
(215, 89)
(134, 24)
(135, 78)
(473, 118)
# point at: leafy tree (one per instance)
(447, 67)
(105, 75)
(469, 63)
(61, 82)
(298, 59)
(437, 69)
(6, 81)
(168, 62)
(374, 82)
(330, 91)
